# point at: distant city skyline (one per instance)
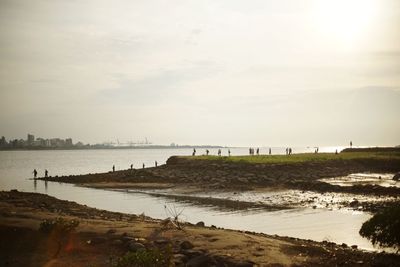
(237, 73)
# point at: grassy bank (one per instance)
(302, 158)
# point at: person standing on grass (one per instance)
(34, 173)
(258, 151)
(131, 166)
(156, 163)
(351, 144)
(46, 173)
(113, 168)
(229, 152)
(219, 152)
(207, 151)
(269, 151)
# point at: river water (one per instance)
(340, 226)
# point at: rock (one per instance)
(191, 253)
(186, 245)
(161, 242)
(134, 246)
(97, 240)
(127, 238)
(396, 177)
(200, 224)
(242, 264)
(201, 260)
(179, 259)
(243, 180)
(111, 231)
(344, 245)
(117, 242)
(354, 246)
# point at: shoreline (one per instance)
(191, 175)
(22, 212)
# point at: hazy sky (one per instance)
(228, 72)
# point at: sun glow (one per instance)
(346, 21)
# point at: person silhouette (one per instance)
(229, 152)
(155, 163)
(46, 173)
(351, 144)
(143, 166)
(131, 166)
(219, 152)
(258, 151)
(207, 152)
(269, 151)
(34, 173)
(113, 168)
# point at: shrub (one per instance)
(150, 257)
(58, 225)
(383, 227)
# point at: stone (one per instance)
(396, 177)
(354, 246)
(127, 238)
(161, 242)
(97, 240)
(179, 258)
(201, 260)
(191, 253)
(111, 231)
(134, 246)
(117, 242)
(200, 224)
(186, 245)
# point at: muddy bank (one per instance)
(102, 237)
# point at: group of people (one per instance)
(251, 151)
(131, 166)
(219, 152)
(35, 173)
(257, 151)
(288, 151)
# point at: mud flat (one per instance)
(301, 172)
(102, 237)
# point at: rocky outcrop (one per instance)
(223, 174)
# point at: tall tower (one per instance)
(31, 139)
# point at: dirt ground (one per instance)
(103, 237)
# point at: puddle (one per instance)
(381, 179)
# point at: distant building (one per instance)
(68, 142)
(57, 142)
(3, 142)
(30, 139)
